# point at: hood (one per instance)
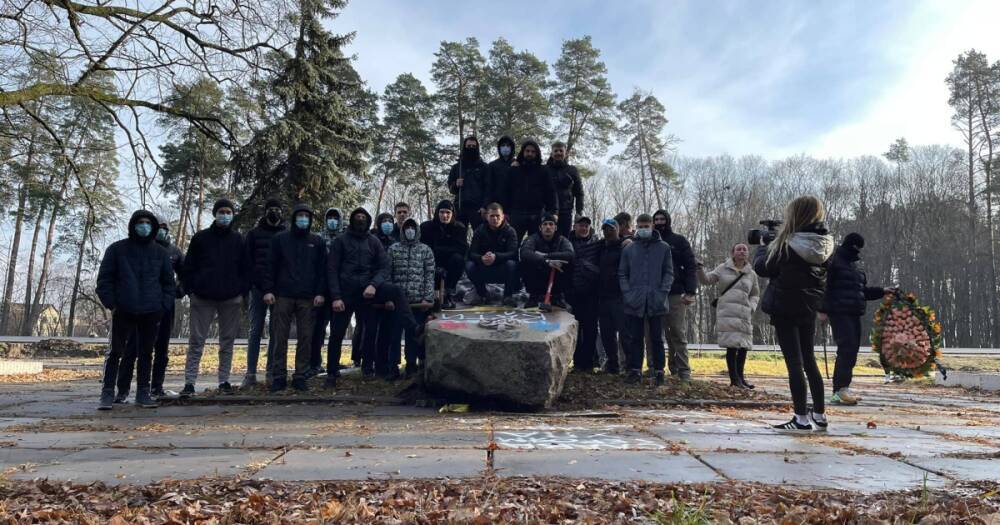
(849, 253)
(668, 227)
(368, 220)
(520, 153)
(813, 247)
(406, 223)
(466, 158)
(382, 217)
(444, 205)
(262, 222)
(339, 215)
(139, 214)
(302, 207)
(508, 141)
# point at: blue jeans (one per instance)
(258, 315)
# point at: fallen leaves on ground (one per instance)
(484, 500)
(51, 375)
(583, 390)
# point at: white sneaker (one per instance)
(887, 380)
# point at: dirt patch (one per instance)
(583, 391)
(51, 375)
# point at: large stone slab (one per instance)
(662, 467)
(299, 465)
(525, 367)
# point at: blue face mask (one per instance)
(302, 222)
(332, 224)
(386, 228)
(505, 151)
(161, 235)
(644, 233)
(143, 229)
(224, 219)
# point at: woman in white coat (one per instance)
(739, 293)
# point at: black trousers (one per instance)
(468, 214)
(536, 278)
(524, 224)
(585, 309)
(364, 309)
(847, 335)
(141, 327)
(796, 342)
(611, 318)
(635, 331)
(449, 268)
(161, 354)
(504, 273)
(565, 222)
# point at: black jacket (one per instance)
(475, 190)
(445, 239)
(258, 244)
(135, 275)
(569, 187)
(797, 276)
(609, 255)
(586, 263)
(685, 266)
(847, 285)
(296, 262)
(529, 187)
(386, 240)
(356, 260)
(499, 170)
(502, 242)
(216, 266)
(536, 249)
(176, 262)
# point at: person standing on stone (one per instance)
(796, 263)
(469, 182)
(216, 275)
(582, 299)
(135, 282)
(499, 168)
(161, 348)
(569, 186)
(739, 293)
(530, 192)
(493, 257)
(294, 285)
(611, 309)
(542, 254)
(847, 291)
(332, 225)
(682, 295)
(645, 275)
(258, 244)
(411, 267)
(448, 239)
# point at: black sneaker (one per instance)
(634, 376)
(660, 378)
(393, 374)
(793, 425)
(300, 384)
(157, 391)
(331, 382)
(560, 302)
(143, 399)
(188, 390)
(226, 388)
(509, 301)
(821, 423)
(121, 398)
(107, 400)
(613, 370)
(447, 304)
(279, 384)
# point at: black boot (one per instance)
(143, 399)
(299, 383)
(734, 378)
(741, 361)
(107, 400)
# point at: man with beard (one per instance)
(447, 238)
(469, 182)
(258, 244)
(499, 169)
(682, 295)
(530, 191)
(569, 188)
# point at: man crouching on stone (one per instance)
(541, 254)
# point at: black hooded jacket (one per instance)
(529, 186)
(357, 259)
(847, 285)
(501, 241)
(445, 239)
(475, 190)
(610, 254)
(685, 265)
(797, 276)
(586, 263)
(297, 262)
(216, 266)
(176, 262)
(499, 169)
(569, 187)
(258, 244)
(136, 276)
(535, 249)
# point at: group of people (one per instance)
(630, 287)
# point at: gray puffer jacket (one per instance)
(645, 273)
(411, 265)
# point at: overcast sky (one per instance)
(827, 78)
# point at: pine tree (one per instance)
(643, 120)
(582, 98)
(458, 74)
(515, 95)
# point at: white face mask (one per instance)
(410, 234)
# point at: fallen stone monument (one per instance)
(512, 357)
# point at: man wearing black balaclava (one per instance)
(469, 181)
(530, 191)
(499, 168)
(682, 295)
(258, 244)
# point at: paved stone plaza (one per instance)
(901, 437)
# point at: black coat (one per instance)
(586, 263)
(386, 240)
(475, 190)
(529, 188)
(609, 255)
(216, 266)
(499, 170)
(847, 285)
(136, 276)
(258, 243)
(296, 263)
(502, 242)
(176, 262)
(445, 239)
(797, 276)
(356, 260)
(569, 187)
(536, 249)
(685, 266)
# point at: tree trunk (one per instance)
(427, 190)
(185, 205)
(8, 292)
(87, 225)
(25, 319)
(385, 178)
(201, 198)
(984, 120)
(50, 236)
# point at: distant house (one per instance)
(48, 321)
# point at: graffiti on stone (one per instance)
(573, 440)
(477, 315)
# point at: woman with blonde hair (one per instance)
(795, 261)
(739, 293)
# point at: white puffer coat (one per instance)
(734, 324)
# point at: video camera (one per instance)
(765, 234)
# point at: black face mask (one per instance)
(359, 225)
(273, 217)
(470, 154)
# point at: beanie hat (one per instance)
(272, 203)
(548, 217)
(854, 240)
(223, 203)
(445, 205)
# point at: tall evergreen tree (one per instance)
(515, 95)
(643, 120)
(458, 74)
(582, 98)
